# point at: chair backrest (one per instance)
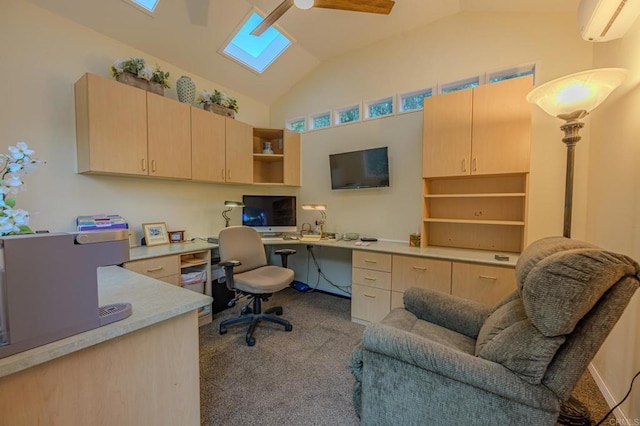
(243, 244)
(571, 294)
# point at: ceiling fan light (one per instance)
(303, 4)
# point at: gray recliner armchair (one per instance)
(447, 360)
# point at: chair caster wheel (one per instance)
(288, 327)
(278, 312)
(245, 311)
(251, 341)
(223, 330)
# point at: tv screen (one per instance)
(367, 168)
(270, 213)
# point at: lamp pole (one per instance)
(571, 130)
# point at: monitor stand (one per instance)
(271, 236)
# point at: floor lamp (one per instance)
(571, 98)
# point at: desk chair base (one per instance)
(254, 316)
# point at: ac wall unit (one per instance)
(604, 20)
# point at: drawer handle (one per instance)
(487, 277)
(419, 268)
(159, 268)
(370, 261)
(369, 278)
(369, 295)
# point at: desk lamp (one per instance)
(231, 205)
(322, 208)
(571, 98)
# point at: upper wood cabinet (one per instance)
(282, 166)
(208, 139)
(238, 154)
(111, 127)
(124, 130)
(481, 131)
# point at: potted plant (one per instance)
(136, 73)
(218, 102)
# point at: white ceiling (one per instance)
(188, 33)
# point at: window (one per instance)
(511, 73)
(148, 6)
(347, 114)
(460, 85)
(318, 121)
(297, 125)
(414, 100)
(256, 52)
(378, 108)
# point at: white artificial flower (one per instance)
(118, 65)
(24, 149)
(14, 167)
(146, 73)
(13, 180)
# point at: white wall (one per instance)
(42, 57)
(614, 206)
(454, 48)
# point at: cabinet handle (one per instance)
(153, 165)
(370, 261)
(369, 295)
(369, 279)
(159, 268)
(464, 165)
(419, 268)
(229, 174)
(144, 164)
(473, 164)
(487, 277)
(222, 170)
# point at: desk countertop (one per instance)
(395, 247)
(152, 302)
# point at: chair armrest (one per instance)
(433, 357)
(455, 313)
(228, 266)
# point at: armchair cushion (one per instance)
(509, 338)
(564, 286)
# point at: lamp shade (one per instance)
(582, 91)
(303, 4)
(312, 206)
(233, 204)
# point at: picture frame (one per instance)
(155, 234)
(176, 236)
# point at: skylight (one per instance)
(256, 52)
(147, 5)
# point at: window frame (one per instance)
(510, 73)
(312, 117)
(290, 121)
(457, 85)
(411, 94)
(335, 116)
(366, 107)
(141, 8)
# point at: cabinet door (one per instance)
(111, 126)
(446, 148)
(239, 151)
(482, 283)
(420, 272)
(208, 136)
(169, 137)
(501, 127)
(291, 158)
(369, 304)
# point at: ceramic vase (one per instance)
(186, 89)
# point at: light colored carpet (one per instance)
(300, 377)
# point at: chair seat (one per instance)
(264, 280)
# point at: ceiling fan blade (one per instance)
(272, 17)
(370, 6)
(198, 11)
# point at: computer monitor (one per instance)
(270, 214)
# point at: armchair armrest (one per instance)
(455, 313)
(284, 255)
(433, 357)
(228, 266)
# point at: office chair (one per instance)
(243, 258)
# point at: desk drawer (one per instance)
(156, 267)
(371, 278)
(482, 283)
(420, 272)
(372, 260)
(369, 304)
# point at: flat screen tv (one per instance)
(368, 168)
(270, 213)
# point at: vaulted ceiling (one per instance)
(188, 33)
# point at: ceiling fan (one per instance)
(370, 6)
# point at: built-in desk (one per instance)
(143, 369)
(376, 274)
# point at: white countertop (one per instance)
(394, 247)
(146, 252)
(152, 301)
